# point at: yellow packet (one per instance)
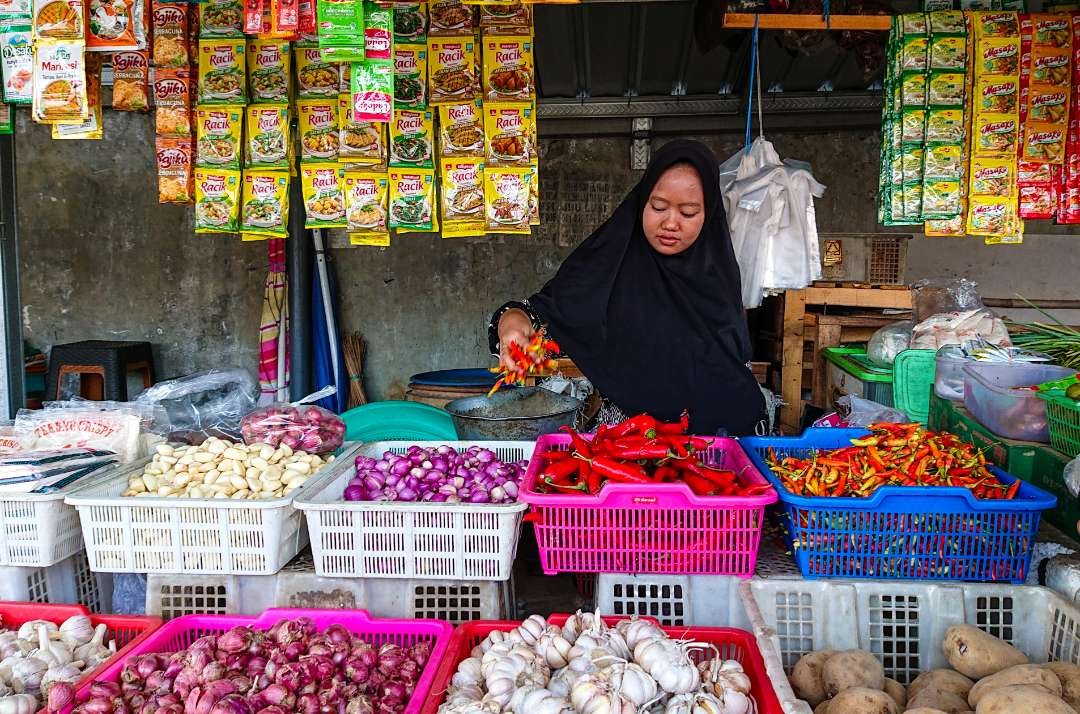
(324, 199)
(462, 204)
(359, 142)
(997, 94)
(461, 130)
(91, 127)
(510, 131)
(318, 126)
(219, 129)
(534, 195)
(990, 24)
(508, 68)
(410, 76)
(996, 135)
(998, 55)
(265, 208)
(945, 227)
(365, 203)
(59, 93)
(412, 200)
(267, 136)
(268, 70)
(451, 71)
(412, 138)
(221, 72)
(993, 177)
(217, 200)
(990, 216)
(506, 199)
(315, 78)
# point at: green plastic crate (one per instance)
(1063, 415)
(913, 382)
(860, 376)
(1016, 457)
(1047, 472)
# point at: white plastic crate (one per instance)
(69, 581)
(448, 541)
(902, 623)
(192, 535)
(38, 529)
(298, 586)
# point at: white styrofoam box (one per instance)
(901, 622)
(192, 535)
(297, 585)
(38, 529)
(69, 581)
(449, 541)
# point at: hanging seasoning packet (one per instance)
(91, 128)
(268, 71)
(174, 165)
(15, 9)
(451, 69)
(372, 91)
(534, 194)
(172, 102)
(410, 22)
(410, 76)
(59, 82)
(461, 130)
(412, 200)
(378, 32)
(450, 18)
(131, 74)
(218, 131)
(324, 197)
(365, 203)
(267, 131)
(411, 138)
(264, 209)
(18, 60)
(221, 72)
(506, 199)
(220, 18)
(170, 24)
(462, 204)
(507, 18)
(510, 130)
(111, 24)
(58, 20)
(217, 200)
(314, 76)
(508, 68)
(341, 30)
(359, 142)
(318, 125)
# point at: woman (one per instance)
(649, 307)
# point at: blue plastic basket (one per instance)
(903, 532)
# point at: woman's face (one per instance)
(675, 211)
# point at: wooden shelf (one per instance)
(787, 21)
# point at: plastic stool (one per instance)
(103, 367)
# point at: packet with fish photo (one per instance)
(451, 69)
(506, 199)
(461, 130)
(359, 142)
(366, 195)
(59, 82)
(58, 19)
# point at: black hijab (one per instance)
(657, 333)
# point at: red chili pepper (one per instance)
(678, 444)
(700, 443)
(665, 474)
(550, 456)
(679, 427)
(590, 477)
(577, 443)
(561, 471)
(579, 486)
(1010, 493)
(756, 489)
(699, 486)
(638, 452)
(619, 471)
(634, 425)
(719, 477)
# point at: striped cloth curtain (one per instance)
(274, 328)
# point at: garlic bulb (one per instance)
(18, 704)
(696, 703)
(52, 652)
(70, 672)
(77, 630)
(554, 648)
(26, 674)
(28, 630)
(93, 652)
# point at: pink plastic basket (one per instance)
(179, 633)
(662, 528)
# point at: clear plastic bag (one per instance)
(102, 426)
(956, 328)
(1072, 477)
(203, 404)
(888, 342)
(300, 425)
(859, 412)
(933, 297)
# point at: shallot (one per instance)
(441, 474)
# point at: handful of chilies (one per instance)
(537, 358)
(643, 451)
(891, 455)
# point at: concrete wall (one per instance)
(100, 258)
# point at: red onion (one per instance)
(104, 690)
(61, 696)
(308, 704)
(235, 640)
(359, 705)
(232, 704)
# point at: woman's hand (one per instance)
(514, 326)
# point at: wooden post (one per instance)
(828, 335)
(791, 358)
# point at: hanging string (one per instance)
(826, 15)
(757, 71)
(750, 94)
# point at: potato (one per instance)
(1069, 675)
(852, 668)
(938, 699)
(923, 710)
(1020, 674)
(806, 676)
(945, 680)
(1022, 698)
(896, 690)
(862, 700)
(974, 653)
(823, 708)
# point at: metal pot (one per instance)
(520, 414)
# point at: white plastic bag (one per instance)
(102, 426)
(956, 328)
(888, 342)
(1072, 477)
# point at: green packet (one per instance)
(947, 22)
(912, 163)
(943, 162)
(341, 50)
(948, 52)
(913, 89)
(913, 53)
(944, 125)
(913, 23)
(912, 200)
(940, 199)
(945, 89)
(340, 19)
(913, 121)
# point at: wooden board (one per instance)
(792, 21)
(858, 297)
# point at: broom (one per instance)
(353, 348)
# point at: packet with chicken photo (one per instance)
(175, 161)
(264, 209)
(412, 200)
(365, 203)
(943, 162)
(58, 20)
(324, 198)
(508, 69)
(59, 82)
(510, 131)
(450, 18)
(170, 24)
(461, 130)
(268, 71)
(941, 199)
(318, 127)
(506, 199)
(218, 131)
(1043, 143)
(1050, 67)
(267, 134)
(1049, 106)
(91, 128)
(996, 135)
(412, 138)
(131, 74)
(451, 69)
(994, 178)
(1052, 31)
(172, 102)
(997, 94)
(990, 216)
(1000, 55)
(111, 25)
(945, 89)
(993, 24)
(462, 205)
(18, 60)
(217, 200)
(359, 142)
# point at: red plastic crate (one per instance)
(129, 631)
(179, 633)
(732, 643)
(655, 528)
